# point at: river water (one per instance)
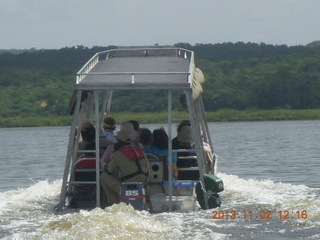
(271, 172)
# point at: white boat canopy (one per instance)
(141, 68)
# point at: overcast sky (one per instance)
(56, 24)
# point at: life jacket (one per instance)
(135, 154)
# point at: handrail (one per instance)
(183, 150)
(82, 182)
(88, 66)
(180, 52)
(132, 73)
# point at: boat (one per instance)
(172, 71)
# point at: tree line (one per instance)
(238, 76)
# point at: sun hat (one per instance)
(126, 133)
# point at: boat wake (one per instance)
(27, 214)
(267, 192)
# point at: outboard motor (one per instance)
(133, 193)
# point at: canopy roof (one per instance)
(151, 68)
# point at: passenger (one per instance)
(88, 135)
(185, 141)
(130, 162)
(105, 159)
(135, 124)
(145, 137)
(136, 127)
(106, 134)
(86, 161)
(109, 125)
(175, 141)
(160, 147)
(103, 144)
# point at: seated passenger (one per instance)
(185, 141)
(136, 126)
(145, 137)
(175, 141)
(159, 146)
(88, 135)
(105, 158)
(109, 125)
(130, 163)
(106, 134)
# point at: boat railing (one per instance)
(146, 52)
(138, 52)
(87, 67)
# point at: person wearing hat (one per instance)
(106, 134)
(109, 125)
(105, 158)
(128, 161)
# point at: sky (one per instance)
(54, 24)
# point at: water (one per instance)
(268, 168)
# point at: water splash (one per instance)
(257, 195)
(27, 214)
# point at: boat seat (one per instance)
(84, 183)
(191, 173)
(85, 169)
(156, 168)
(157, 172)
(187, 161)
(188, 168)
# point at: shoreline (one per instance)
(222, 115)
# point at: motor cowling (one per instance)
(133, 193)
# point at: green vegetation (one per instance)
(277, 82)
(35, 121)
(222, 115)
(229, 115)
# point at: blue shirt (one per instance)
(157, 151)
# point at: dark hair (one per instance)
(182, 124)
(145, 136)
(88, 134)
(135, 124)
(160, 138)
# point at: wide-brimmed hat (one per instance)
(109, 122)
(126, 133)
(185, 135)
